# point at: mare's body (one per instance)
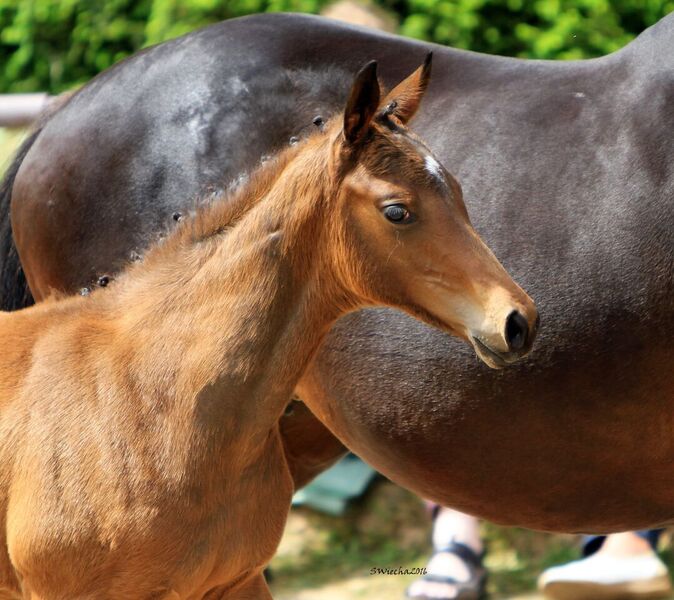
(570, 166)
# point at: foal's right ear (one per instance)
(362, 104)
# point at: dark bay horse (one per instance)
(141, 454)
(570, 169)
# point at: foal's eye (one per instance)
(397, 213)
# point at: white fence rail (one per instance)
(20, 110)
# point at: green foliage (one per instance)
(52, 45)
(564, 29)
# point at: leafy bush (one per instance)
(52, 45)
(533, 29)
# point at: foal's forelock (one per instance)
(224, 212)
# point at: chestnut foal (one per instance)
(140, 454)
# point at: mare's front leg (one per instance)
(308, 445)
(254, 589)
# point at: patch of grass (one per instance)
(517, 557)
(325, 557)
(387, 528)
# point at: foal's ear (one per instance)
(404, 99)
(362, 104)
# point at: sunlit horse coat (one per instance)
(568, 170)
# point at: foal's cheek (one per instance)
(363, 229)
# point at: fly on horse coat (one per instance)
(140, 454)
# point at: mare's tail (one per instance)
(14, 292)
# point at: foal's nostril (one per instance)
(516, 331)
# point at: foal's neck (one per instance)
(234, 317)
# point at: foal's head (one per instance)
(403, 237)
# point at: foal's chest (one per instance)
(175, 538)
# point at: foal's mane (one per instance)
(223, 212)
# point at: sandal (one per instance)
(473, 589)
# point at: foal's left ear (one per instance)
(404, 99)
(362, 104)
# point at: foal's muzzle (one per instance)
(519, 337)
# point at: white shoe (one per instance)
(601, 577)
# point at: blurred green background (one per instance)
(52, 45)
